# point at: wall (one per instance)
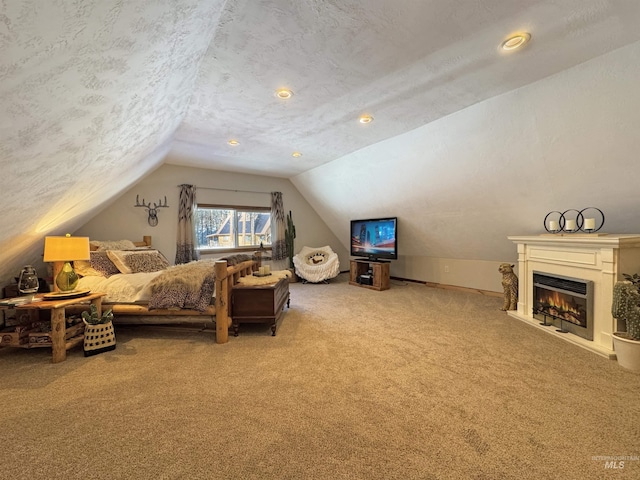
(122, 220)
(475, 274)
(461, 185)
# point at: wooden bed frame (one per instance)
(226, 277)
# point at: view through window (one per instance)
(222, 227)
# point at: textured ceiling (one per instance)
(405, 62)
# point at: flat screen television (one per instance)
(375, 239)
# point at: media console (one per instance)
(369, 274)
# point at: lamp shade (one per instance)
(66, 249)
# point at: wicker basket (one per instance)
(98, 338)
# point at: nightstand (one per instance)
(59, 344)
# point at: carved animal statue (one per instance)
(510, 287)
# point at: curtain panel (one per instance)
(186, 250)
(278, 244)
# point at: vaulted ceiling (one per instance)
(406, 63)
(95, 94)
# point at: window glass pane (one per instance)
(230, 228)
(214, 227)
(253, 228)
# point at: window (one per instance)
(232, 228)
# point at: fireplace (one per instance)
(597, 258)
(564, 302)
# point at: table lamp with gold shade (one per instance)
(62, 251)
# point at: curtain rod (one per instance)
(228, 190)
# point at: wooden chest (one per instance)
(259, 304)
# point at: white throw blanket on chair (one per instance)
(316, 264)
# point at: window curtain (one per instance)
(278, 244)
(185, 250)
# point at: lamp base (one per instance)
(67, 279)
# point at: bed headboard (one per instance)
(146, 241)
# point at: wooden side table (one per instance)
(59, 345)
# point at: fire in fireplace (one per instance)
(564, 302)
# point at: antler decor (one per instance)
(153, 212)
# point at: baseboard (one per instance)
(422, 282)
(486, 293)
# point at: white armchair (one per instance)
(316, 264)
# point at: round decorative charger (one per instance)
(66, 295)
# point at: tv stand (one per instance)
(369, 274)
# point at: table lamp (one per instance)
(62, 251)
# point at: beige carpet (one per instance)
(409, 383)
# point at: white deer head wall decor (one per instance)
(153, 212)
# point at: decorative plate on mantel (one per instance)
(66, 295)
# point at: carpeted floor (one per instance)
(410, 383)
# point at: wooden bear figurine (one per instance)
(510, 287)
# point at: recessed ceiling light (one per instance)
(233, 142)
(365, 118)
(296, 154)
(516, 41)
(284, 93)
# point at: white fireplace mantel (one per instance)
(600, 258)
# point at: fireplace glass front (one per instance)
(564, 302)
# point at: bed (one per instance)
(143, 284)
